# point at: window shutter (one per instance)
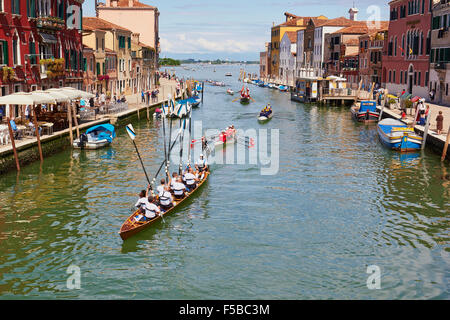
(5, 52)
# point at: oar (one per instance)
(132, 135)
(252, 99)
(236, 99)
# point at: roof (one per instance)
(93, 23)
(337, 22)
(355, 29)
(124, 4)
(144, 45)
(110, 51)
(292, 35)
(305, 21)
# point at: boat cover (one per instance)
(106, 131)
(368, 106)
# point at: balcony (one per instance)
(51, 23)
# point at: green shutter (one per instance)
(5, 52)
(129, 43)
(98, 68)
(84, 64)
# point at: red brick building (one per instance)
(40, 44)
(406, 65)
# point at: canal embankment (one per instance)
(28, 149)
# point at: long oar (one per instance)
(132, 135)
(164, 162)
(189, 156)
(182, 127)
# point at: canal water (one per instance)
(339, 205)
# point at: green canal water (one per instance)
(339, 203)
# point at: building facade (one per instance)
(407, 62)
(137, 17)
(288, 52)
(293, 24)
(118, 40)
(371, 51)
(440, 52)
(40, 45)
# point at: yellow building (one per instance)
(117, 39)
(293, 23)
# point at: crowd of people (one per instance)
(177, 187)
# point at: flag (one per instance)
(130, 131)
(401, 49)
(410, 51)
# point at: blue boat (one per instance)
(96, 137)
(396, 135)
(194, 101)
(366, 112)
(283, 88)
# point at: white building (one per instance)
(288, 52)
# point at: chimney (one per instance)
(114, 3)
(353, 14)
(108, 3)
(130, 3)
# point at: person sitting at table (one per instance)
(14, 129)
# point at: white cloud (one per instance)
(208, 43)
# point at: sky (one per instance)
(236, 29)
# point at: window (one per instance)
(427, 79)
(401, 77)
(31, 8)
(16, 51)
(103, 44)
(415, 78)
(394, 77)
(420, 78)
(390, 76)
(3, 52)
(129, 43)
(33, 59)
(15, 6)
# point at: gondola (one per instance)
(131, 227)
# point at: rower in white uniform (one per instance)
(191, 180)
(178, 188)
(202, 164)
(165, 199)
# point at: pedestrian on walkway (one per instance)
(432, 93)
(142, 96)
(439, 122)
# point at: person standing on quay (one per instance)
(439, 122)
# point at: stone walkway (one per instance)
(434, 110)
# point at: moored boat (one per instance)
(228, 75)
(283, 88)
(396, 135)
(96, 137)
(131, 226)
(366, 112)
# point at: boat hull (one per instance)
(365, 117)
(245, 100)
(130, 227)
(92, 145)
(265, 118)
(406, 141)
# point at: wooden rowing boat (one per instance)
(131, 227)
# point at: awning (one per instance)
(48, 38)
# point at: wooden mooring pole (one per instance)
(36, 130)
(425, 133)
(74, 109)
(11, 136)
(69, 118)
(444, 152)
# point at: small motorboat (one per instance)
(366, 112)
(96, 137)
(230, 92)
(283, 88)
(396, 135)
(265, 115)
(157, 114)
(194, 101)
